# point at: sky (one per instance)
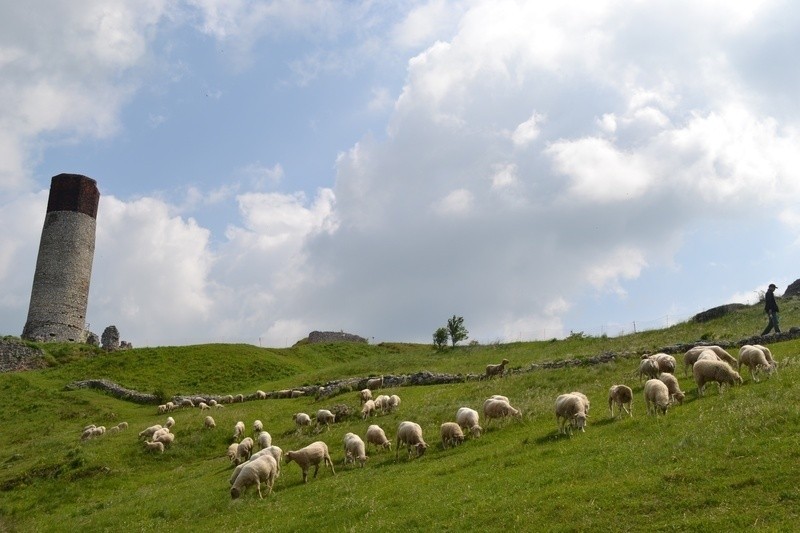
(271, 168)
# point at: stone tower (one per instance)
(60, 291)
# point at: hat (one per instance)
(773, 286)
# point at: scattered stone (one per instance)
(110, 339)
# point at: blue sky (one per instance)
(272, 168)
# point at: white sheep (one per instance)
(767, 354)
(375, 383)
(238, 430)
(301, 420)
(203, 406)
(676, 395)
(148, 432)
(244, 450)
(354, 449)
(648, 368)
(570, 412)
(409, 434)
(261, 395)
(170, 406)
(326, 418)
(264, 440)
(158, 433)
(226, 399)
(258, 426)
(209, 423)
(620, 395)
(691, 356)
(451, 434)
(162, 409)
(382, 402)
(376, 436)
(231, 453)
(170, 422)
(394, 403)
(312, 455)
(153, 446)
(368, 409)
(212, 402)
(499, 397)
(165, 438)
(365, 395)
(468, 419)
(272, 451)
(583, 398)
(496, 370)
(656, 396)
(719, 371)
(187, 402)
(496, 408)
(755, 360)
(262, 470)
(665, 362)
(122, 425)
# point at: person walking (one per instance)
(771, 308)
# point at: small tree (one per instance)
(455, 326)
(440, 338)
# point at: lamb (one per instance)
(354, 449)
(264, 440)
(495, 408)
(301, 420)
(719, 371)
(495, 370)
(468, 419)
(365, 395)
(375, 435)
(261, 395)
(755, 360)
(170, 422)
(368, 409)
(656, 396)
(209, 423)
(262, 470)
(451, 434)
(676, 395)
(409, 434)
(231, 453)
(665, 362)
(148, 432)
(258, 426)
(239, 398)
(648, 368)
(238, 430)
(165, 438)
(312, 455)
(203, 406)
(152, 446)
(620, 395)
(244, 450)
(325, 417)
(375, 383)
(394, 402)
(382, 403)
(570, 413)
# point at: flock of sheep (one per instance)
(254, 468)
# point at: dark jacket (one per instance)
(770, 306)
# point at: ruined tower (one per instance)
(60, 291)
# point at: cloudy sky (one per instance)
(269, 168)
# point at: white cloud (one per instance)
(457, 202)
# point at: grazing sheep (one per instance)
(767, 354)
(170, 422)
(648, 368)
(666, 363)
(203, 406)
(495, 408)
(212, 402)
(375, 435)
(468, 419)
(755, 360)
(382, 403)
(719, 371)
(409, 434)
(691, 356)
(656, 397)
(583, 398)
(570, 412)
(148, 432)
(325, 417)
(238, 430)
(365, 395)
(231, 453)
(354, 449)
(122, 425)
(209, 423)
(375, 383)
(170, 406)
(226, 399)
(394, 403)
(296, 393)
(264, 440)
(451, 434)
(239, 398)
(301, 420)
(261, 395)
(368, 409)
(165, 438)
(312, 455)
(620, 395)
(272, 451)
(676, 395)
(244, 450)
(152, 446)
(496, 370)
(258, 426)
(262, 470)
(162, 409)
(158, 433)
(187, 402)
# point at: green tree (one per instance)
(456, 329)
(440, 338)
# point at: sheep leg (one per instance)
(305, 475)
(258, 486)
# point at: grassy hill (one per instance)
(720, 461)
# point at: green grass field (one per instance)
(718, 462)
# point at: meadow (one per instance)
(721, 461)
